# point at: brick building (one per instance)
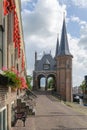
(12, 54)
(59, 68)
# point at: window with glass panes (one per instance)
(3, 120)
(1, 44)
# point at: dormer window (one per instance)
(46, 66)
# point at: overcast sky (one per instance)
(42, 22)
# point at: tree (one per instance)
(29, 81)
(50, 83)
(83, 86)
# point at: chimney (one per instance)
(35, 56)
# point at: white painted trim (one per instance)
(6, 119)
(1, 72)
(3, 108)
(2, 120)
(1, 111)
(12, 102)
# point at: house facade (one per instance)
(12, 55)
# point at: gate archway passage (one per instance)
(41, 81)
(51, 82)
(46, 81)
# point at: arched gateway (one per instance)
(44, 68)
(59, 67)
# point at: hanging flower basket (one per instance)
(13, 79)
(10, 78)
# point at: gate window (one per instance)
(46, 67)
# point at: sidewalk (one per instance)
(52, 114)
(77, 107)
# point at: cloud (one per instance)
(41, 27)
(80, 49)
(79, 60)
(75, 19)
(83, 40)
(45, 19)
(23, 1)
(82, 25)
(28, 4)
(80, 3)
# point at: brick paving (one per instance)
(53, 115)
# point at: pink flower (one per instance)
(23, 83)
(4, 68)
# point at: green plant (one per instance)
(28, 81)
(83, 86)
(13, 79)
(50, 83)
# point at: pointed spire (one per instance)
(35, 55)
(64, 48)
(57, 46)
(63, 15)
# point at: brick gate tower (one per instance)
(59, 67)
(64, 67)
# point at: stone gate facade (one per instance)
(59, 67)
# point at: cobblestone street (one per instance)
(53, 115)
